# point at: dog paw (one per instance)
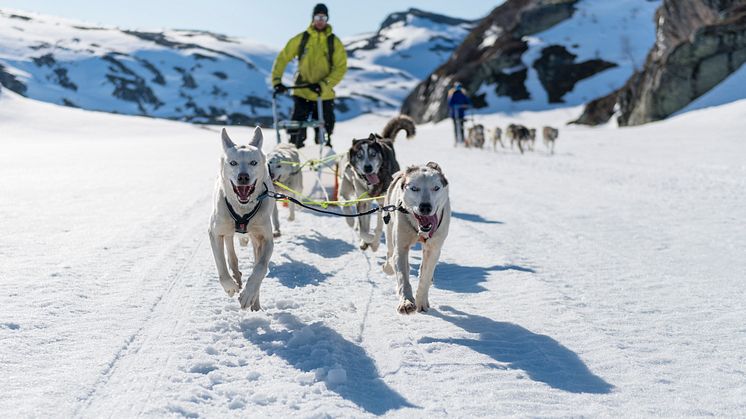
(230, 286)
(255, 306)
(406, 307)
(363, 245)
(249, 297)
(276, 234)
(291, 218)
(388, 269)
(237, 278)
(422, 305)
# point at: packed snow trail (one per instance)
(604, 280)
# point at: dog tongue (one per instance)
(372, 178)
(428, 223)
(244, 190)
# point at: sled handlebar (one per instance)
(297, 86)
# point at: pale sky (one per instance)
(270, 22)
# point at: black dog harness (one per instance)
(242, 221)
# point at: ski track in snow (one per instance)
(604, 280)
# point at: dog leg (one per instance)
(249, 297)
(430, 256)
(403, 287)
(388, 267)
(276, 221)
(218, 252)
(376, 239)
(364, 226)
(291, 208)
(233, 260)
(345, 191)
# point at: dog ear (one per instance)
(258, 138)
(437, 168)
(434, 166)
(227, 142)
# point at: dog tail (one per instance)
(396, 124)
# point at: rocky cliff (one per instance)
(698, 44)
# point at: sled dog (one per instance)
(240, 207)
(518, 134)
(475, 137)
(366, 170)
(497, 137)
(283, 164)
(423, 214)
(550, 137)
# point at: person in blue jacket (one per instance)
(457, 104)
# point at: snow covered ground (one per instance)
(604, 280)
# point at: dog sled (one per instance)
(319, 169)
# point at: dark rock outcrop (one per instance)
(491, 54)
(699, 44)
(10, 82)
(558, 71)
(598, 111)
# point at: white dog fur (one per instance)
(241, 184)
(421, 194)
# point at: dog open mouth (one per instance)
(243, 192)
(372, 178)
(427, 222)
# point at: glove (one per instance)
(280, 88)
(315, 87)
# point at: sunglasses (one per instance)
(320, 18)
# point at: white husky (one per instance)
(240, 208)
(424, 213)
(284, 167)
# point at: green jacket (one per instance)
(314, 67)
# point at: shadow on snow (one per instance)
(294, 273)
(315, 348)
(324, 246)
(475, 218)
(467, 279)
(541, 357)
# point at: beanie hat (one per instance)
(320, 9)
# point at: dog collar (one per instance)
(242, 221)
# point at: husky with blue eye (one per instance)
(241, 207)
(423, 214)
(366, 170)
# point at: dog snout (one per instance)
(243, 178)
(426, 208)
(368, 168)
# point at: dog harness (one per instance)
(242, 221)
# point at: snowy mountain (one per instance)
(414, 41)
(203, 77)
(540, 54)
(604, 281)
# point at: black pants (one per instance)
(302, 110)
(458, 128)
